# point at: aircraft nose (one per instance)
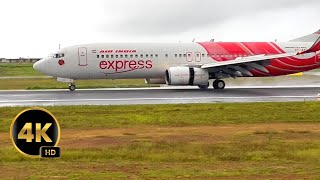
(38, 65)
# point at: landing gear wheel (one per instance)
(72, 87)
(219, 84)
(204, 87)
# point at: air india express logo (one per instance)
(121, 66)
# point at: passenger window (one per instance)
(97, 56)
(102, 56)
(180, 55)
(167, 55)
(151, 55)
(107, 56)
(126, 56)
(176, 55)
(117, 56)
(156, 55)
(184, 55)
(141, 55)
(147, 56)
(202, 55)
(121, 56)
(137, 56)
(112, 56)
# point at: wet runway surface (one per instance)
(158, 96)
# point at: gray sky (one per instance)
(34, 28)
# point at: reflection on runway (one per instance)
(157, 96)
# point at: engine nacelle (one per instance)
(155, 81)
(187, 76)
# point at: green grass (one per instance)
(176, 115)
(40, 83)
(267, 154)
(242, 156)
(18, 69)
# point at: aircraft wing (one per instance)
(241, 66)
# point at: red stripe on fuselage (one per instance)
(240, 49)
(277, 67)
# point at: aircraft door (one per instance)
(197, 56)
(189, 57)
(82, 55)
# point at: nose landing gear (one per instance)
(72, 86)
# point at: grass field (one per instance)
(18, 69)
(200, 141)
(45, 83)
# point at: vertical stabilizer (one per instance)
(315, 37)
(308, 38)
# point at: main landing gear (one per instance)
(217, 84)
(72, 87)
(204, 87)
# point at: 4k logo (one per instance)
(33, 129)
(26, 132)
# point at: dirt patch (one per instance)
(91, 138)
(207, 134)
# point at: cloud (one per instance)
(150, 18)
(35, 27)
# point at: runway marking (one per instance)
(139, 99)
(165, 88)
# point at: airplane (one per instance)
(182, 64)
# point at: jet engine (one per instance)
(187, 76)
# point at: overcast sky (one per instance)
(35, 28)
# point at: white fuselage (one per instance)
(145, 60)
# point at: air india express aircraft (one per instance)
(183, 64)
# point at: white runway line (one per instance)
(146, 99)
(164, 88)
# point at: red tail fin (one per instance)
(315, 37)
(308, 38)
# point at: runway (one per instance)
(170, 95)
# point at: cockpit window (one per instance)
(60, 55)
